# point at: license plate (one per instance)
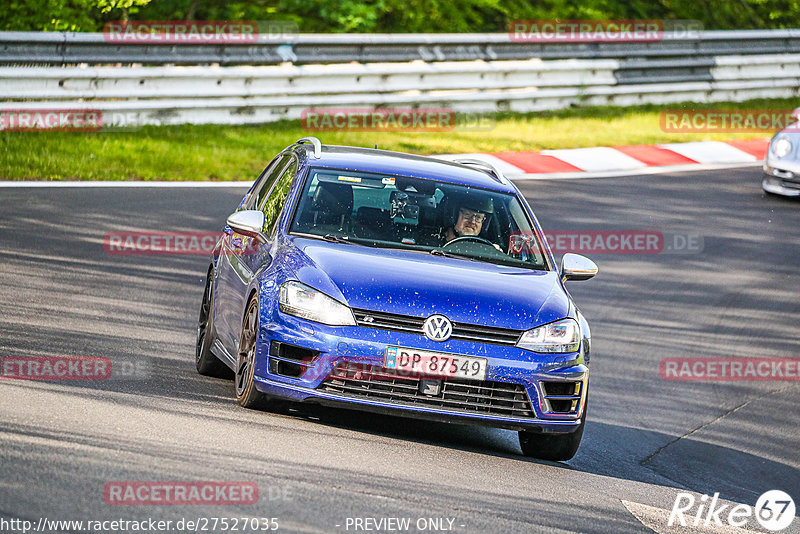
(440, 364)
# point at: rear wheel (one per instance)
(553, 447)
(246, 393)
(206, 363)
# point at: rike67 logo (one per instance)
(774, 510)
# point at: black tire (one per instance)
(207, 364)
(553, 447)
(246, 393)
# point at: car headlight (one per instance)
(560, 336)
(302, 301)
(781, 147)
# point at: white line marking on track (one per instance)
(710, 152)
(691, 167)
(596, 159)
(130, 183)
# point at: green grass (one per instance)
(216, 152)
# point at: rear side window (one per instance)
(272, 205)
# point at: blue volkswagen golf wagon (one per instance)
(402, 284)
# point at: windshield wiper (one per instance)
(445, 254)
(333, 238)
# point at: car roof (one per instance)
(400, 163)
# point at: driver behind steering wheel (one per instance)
(469, 218)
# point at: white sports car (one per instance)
(782, 166)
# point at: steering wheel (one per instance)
(469, 238)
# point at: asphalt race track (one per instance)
(646, 439)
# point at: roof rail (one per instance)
(484, 166)
(314, 141)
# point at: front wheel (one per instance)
(553, 447)
(246, 393)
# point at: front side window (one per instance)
(428, 216)
(272, 205)
(266, 182)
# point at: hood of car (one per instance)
(420, 285)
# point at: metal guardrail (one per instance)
(238, 95)
(35, 74)
(360, 81)
(61, 48)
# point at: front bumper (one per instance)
(781, 181)
(331, 346)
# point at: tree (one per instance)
(396, 16)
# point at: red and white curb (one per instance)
(594, 162)
(624, 160)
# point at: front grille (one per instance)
(456, 395)
(413, 325)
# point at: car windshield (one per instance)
(427, 216)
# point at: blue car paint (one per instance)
(402, 282)
(411, 283)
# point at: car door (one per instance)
(251, 256)
(232, 270)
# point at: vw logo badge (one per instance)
(437, 328)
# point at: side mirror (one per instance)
(577, 267)
(249, 223)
